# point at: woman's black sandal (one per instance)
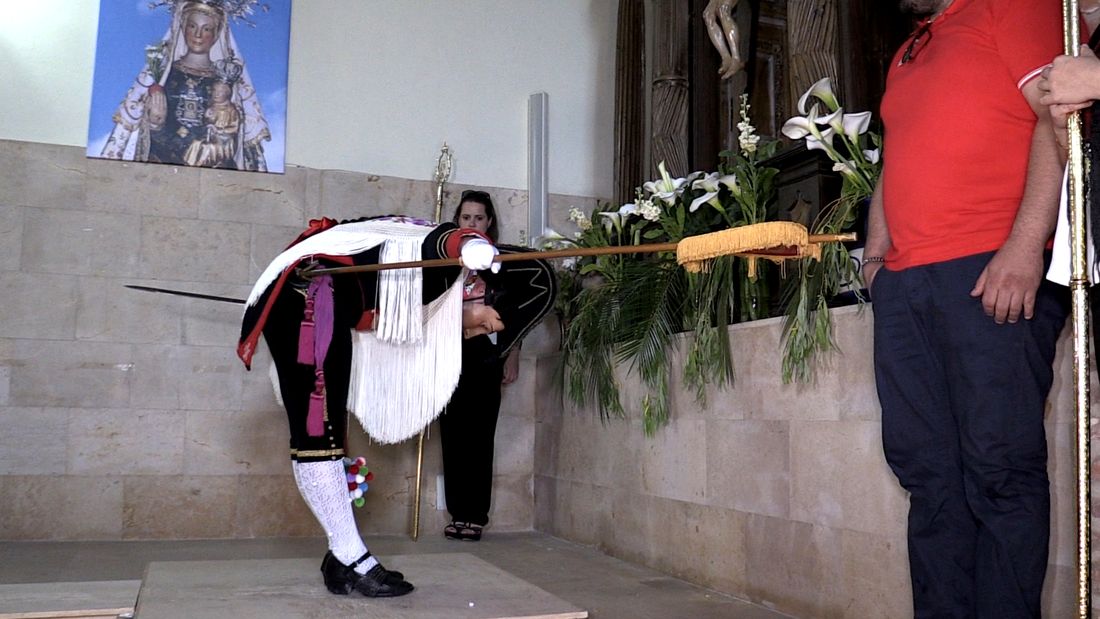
(465, 531)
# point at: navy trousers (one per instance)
(962, 428)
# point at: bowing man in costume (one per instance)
(386, 346)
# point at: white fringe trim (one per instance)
(273, 374)
(400, 293)
(342, 240)
(397, 389)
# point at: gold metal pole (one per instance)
(419, 471)
(442, 175)
(1079, 290)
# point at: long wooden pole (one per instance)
(1078, 285)
(566, 253)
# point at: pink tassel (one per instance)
(306, 342)
(315, 418)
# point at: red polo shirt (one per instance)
(958, 130)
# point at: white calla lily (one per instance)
(707, 183)
(550, 235)
(822, 141)
(730, 181)
(847, 168)
(871, 156)
(797, 127)
(611, 218)
(617, 218)
(823, 91)
(835, 120)
(710, 196)
(855, 125)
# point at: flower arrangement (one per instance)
(628, 308)
(855, 152)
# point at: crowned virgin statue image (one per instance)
(193, 103)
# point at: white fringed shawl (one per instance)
(404, 372)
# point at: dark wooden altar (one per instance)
(693, 114)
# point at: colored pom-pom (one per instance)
(370, 477)
(363, 487)
(359, 502)
(360, 479)
(351, 477)
(353, 469)
(352, 486)
(361, 461)
(358, 494)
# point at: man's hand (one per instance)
(870, 269)
(1059, 118)
(1071, 80)
(1008, 284)
(480, 320)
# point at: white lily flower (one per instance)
(855, 125)
(822, 90)
(668, 197)
(665, 188)
(871, 156)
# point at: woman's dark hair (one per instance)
(482, 198)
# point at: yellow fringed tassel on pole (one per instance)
(693, 252)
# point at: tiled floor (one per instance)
(608, 588)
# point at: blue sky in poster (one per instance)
(127, 26)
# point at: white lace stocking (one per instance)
(324, 486)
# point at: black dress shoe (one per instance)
(332, 562)
(377, 582)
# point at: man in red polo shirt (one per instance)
(965, 328)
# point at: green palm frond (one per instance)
(652, 313)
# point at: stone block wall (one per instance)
(125, 414)
(775, 493)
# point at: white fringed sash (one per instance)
(398, 389)
(404, 372)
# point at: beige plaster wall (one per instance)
(126, 415)
(775, 493)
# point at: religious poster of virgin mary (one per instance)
(191, 83)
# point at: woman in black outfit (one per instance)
(468, 425)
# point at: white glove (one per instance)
(478, 254)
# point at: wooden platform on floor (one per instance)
(68, 600)
(453, 585)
